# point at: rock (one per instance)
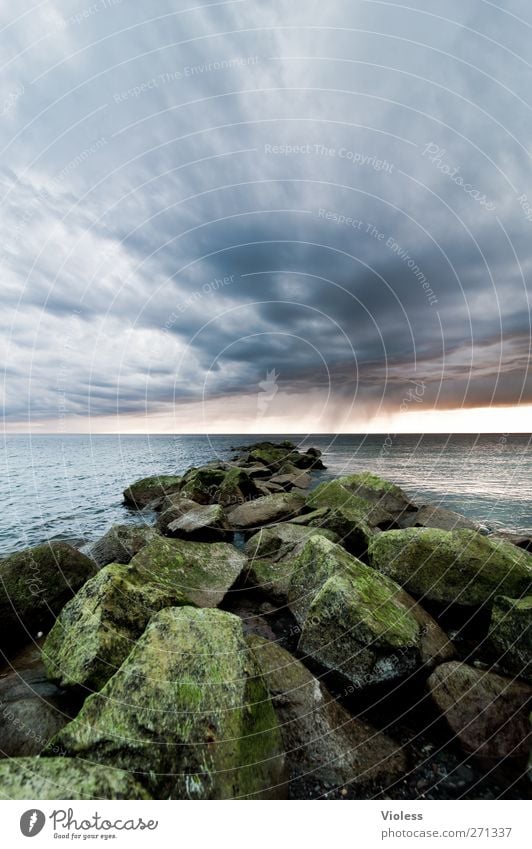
(438, 517)
(203, 572)
(120, 544)
(266, 510)
(376, 490)
(201, 485)
(257, 473)
(203, 524)
(97, 629)
(314, 518)
(269, 577)
(236, 488)
(147, 490)
(353, 518)
(35, 584)
(304, 461)
(521, 540)
(187, 714)
(32, 712)
(321, 740)
(287, 482)
(267, 550)
(173, 508)
(65, 778)
(487, 712)
(452, 567)
(267, 488)
(281, 540)
(510, 635)
(356, 622)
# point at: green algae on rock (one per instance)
(322, 741)
(205, 523)
(452, 567)
(357, 622)
(97, 629)
(488, 713)
(147, 490)
(266, 510)
(120, 544)
(281, 540)
(34, 585)
(510, 635)
(187, 714)
(202, 571)
(65, 778)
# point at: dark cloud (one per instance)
(338, 193)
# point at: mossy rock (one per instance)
(353, 518)
(281, 540)
(187, 714)
(201, 485)
(322, 741)
(203, 572)
(147, 490)
(270, 578)
(120, 544)
(34, 585)
(65, 778)
(205, 523)
(97, 629)
(452, 567)
(266, 510)
(357, 623)
(172, 508)
(236, 488)
(510, 635)
(487, 713)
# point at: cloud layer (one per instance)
(333, 200)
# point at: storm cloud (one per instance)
(320, 204)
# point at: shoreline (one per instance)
(355, 612)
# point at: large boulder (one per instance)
(172, 508)
(323, 743)
(357, 623)
(202, 524)
(487, 712)
(187, 714)
(203, 572)
(33, 711)
(271, 554)
(452, 567)
(266, 510)
(438, 517)
(296, 479)
(236, 488)
(148, 491)
(510, 635)
(65, 778)
(367, 487)
(120, 544)
(34, 585)
(281, 540)
(97, 629)
(354, 518)
(201, 485)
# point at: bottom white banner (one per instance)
(268, 824)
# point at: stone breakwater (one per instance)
(269, 636)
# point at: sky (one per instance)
(265, 217)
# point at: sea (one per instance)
(69, 486)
